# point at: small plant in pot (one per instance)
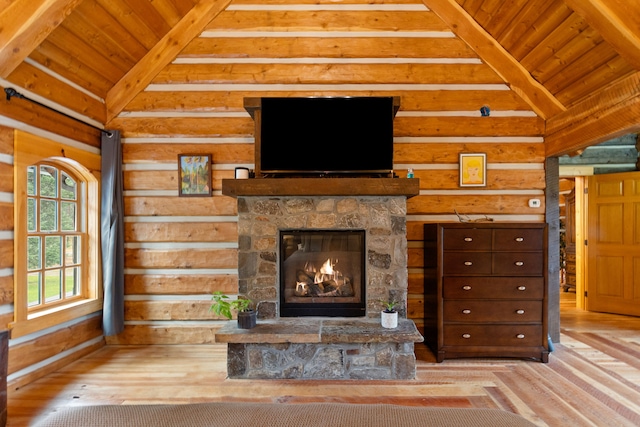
(389, 315)
(223, 305)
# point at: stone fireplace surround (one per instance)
(321, 347)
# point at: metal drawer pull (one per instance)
(522, 288)
(466, 336)
(520, 311)
(519, 263)
(466, 288)
(468, 263)
(468, 239)
(519, 239)
(466, 311)
(520, 336)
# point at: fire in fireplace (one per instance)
(322, 273)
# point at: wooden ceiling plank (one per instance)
(578, 70)
(611, 71)
(607, 114)
(92, 12)
(612, 18)
(121, 12)
(546, 22)
(25, 24)
(61, 62)
(574, 50)
(162, 54)
(505, 16)
(150, 16)
(505, 65)
(522, 22)
(571, 28)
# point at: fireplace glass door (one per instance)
(322, 273)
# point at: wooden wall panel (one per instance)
(181, 232)
(22, 355)
(6, 292)
(168, 310)
(155, 334)
(181, 258)
(413, 100)
(196, 105)
(6, 253)
(176, 284)
(179, 206)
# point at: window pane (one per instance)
(31, 181)
(48, 181)
(72, 282)
(48, 215)
(52, 285)
(32, 219)
(68, 216)
(34, 253)
(69, 187)
(33, 289)
(72, 250)
(52, 251)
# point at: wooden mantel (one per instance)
(266, 187)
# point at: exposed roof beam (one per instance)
(611, 18)
(610, 113)
(24, 24)
(491, 52)
(141, 74)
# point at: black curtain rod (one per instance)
(12, 92)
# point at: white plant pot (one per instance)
(389, 320)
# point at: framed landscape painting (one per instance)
(473, 169)
(194, 173)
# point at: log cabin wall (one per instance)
(179, 250)
(57, 345)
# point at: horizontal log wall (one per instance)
(58, 345)
(179, 250)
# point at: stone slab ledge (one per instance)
(319, 331)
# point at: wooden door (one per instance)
(613, 244)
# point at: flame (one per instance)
(327, 267)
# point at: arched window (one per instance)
(56, 235)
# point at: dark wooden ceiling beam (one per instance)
(159, 56)
(25, 24)
(612, 19)
(492, 53)
(610, 113)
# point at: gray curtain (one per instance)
(112, 225)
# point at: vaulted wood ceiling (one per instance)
(575, 62)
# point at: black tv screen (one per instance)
(326, 135)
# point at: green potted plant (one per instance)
(389, 315)
(223, 306)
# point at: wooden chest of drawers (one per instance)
(486, 290)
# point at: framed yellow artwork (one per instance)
(473, 169)
(194, 172)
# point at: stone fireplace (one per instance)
(359, 226)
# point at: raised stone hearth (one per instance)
(273, 350)
(313, 348)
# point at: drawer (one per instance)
(471, 311)
(466, 263)
(493, 335)
(571, 267)
(493, 287)
(466, 239)
(518, 263)
(518, 239)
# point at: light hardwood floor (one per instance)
(592, 379)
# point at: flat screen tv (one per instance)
(326, 136)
